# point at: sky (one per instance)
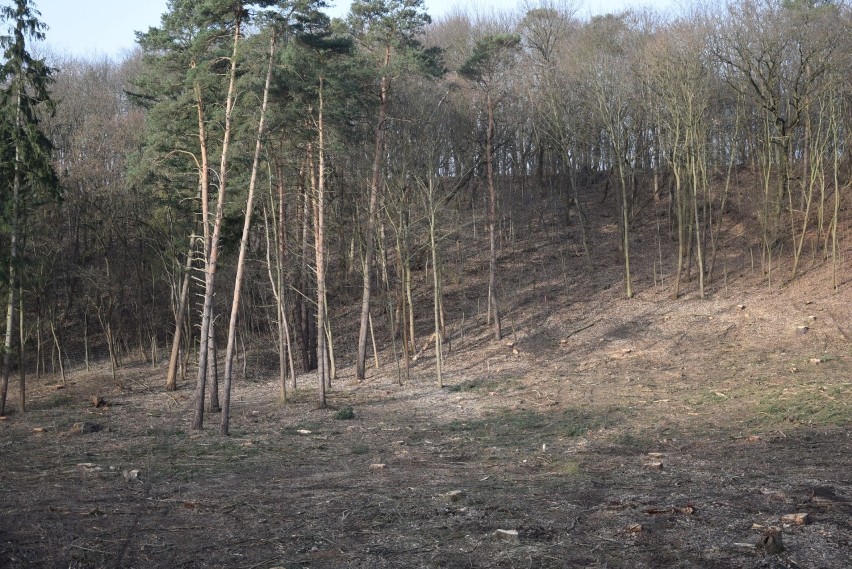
(96, 28)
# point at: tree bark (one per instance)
(238, 283)
(319, 244)
(492, 218)
(171, 375)
(13, 257)
(361, 359)
(213, 257)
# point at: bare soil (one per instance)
(606, 432)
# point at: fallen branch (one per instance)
(578, 330)
(426, 345)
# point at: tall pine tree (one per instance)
(26, 152)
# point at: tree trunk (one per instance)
(213, 257)
(361, 359)
(13, 258)
(492, 219)
(22, 368)
(276, 279)
(58, 350)
(308, 354)
(319, 245)
(238, 283)
(625, 229)
(436, 281)
(213, 370)
(171, 375)
(282, 260)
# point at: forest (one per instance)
(292, 189)
(491, 289)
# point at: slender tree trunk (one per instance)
(282, 260)
(213, 256)
(361, 359)
(319, 245)
(22, 368)
(625, 229)
(171, 375)
(238, 283)
(375, 347)
(13, 257)
(58, 347)
(410, 301)
(699, 248)
(213, 404)
(436, 282)
(280, 264)
(277, 281)
(10, 307)
(329, 337)
(492, 218)
(308, 355)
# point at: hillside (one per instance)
(606, 432)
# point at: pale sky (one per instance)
(92, 28)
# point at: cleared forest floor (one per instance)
(606, 432)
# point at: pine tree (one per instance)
(385, 29)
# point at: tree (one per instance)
(680, 85)
(383, 28)
(27, 152)
(195, 38)
(777, 54)
(238, 282)
(492, 56)
(610, 90)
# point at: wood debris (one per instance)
(688, 510)
(770, 542)
(507, 535)
(798, 519)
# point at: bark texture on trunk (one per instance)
(361, 359)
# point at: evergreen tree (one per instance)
(492, 56)
(28, 173)
(385, 29)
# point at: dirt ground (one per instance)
(602, 432)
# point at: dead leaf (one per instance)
(39, 430)
(190, 505)
(634, 528)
